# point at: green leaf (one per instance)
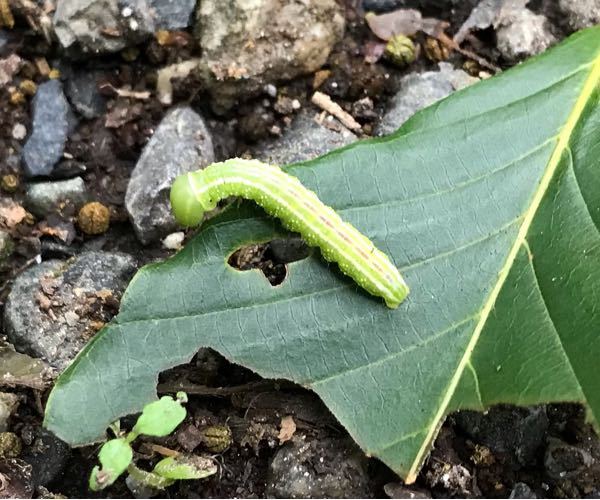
(488, 202)
(115, 455)
(185, 467)
(160, 418)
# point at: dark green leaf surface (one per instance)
(488, 202)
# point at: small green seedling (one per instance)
(158, 419)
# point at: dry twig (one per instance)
(324, 102)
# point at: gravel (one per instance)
(173, 14)
(52, 123)
(419, 90)
(522, 490)
(426, 5)
(82, 91)
(327, 468)
(181, 144)
(43, 198)
(527, 426)
(47, 456)
(6, 245)
(101, 26)
(566, 461)
(8, 404)
(580, 13)
(54, 308)
(304, 140)
(521, 33)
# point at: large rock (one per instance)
(53, 309)
(52, 123)
(181, 144)
(327, 468)
(304, 140)
(419, 90)
(248, 44)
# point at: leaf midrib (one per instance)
(562, 145)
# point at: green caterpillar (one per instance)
(299, 209)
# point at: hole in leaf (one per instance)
(271, 257)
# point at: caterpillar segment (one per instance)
(299, 209)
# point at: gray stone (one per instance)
(173, 14)
(428, 5)
(455, 479)
(326, 468)
(522, 490)
(398, 490)
(8, 404)
(481, 17)
(521, 33)
(6, 245)
(17, 369)
(288, 39)
(419, 90)
(82, 91)
(580, 13)
(4, 40)
(305, 139)
(564, 461)
(527, 426)
(52, 122)
(34, 315)
(43, 198)
(181, 144)
(47, 455)
(101, 26)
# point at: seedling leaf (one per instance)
(185, 467)
(114, 456)
(160, 418)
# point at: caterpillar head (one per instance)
(188, 202)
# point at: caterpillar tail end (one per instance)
(399, 296)
(186, 207)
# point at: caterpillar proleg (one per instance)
(283, 196)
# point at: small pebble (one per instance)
(174, 241)
(19, 132)
(10, 445)
(17, 97)
(28, 87)
(9, 183)
(9, 402)
(271, 90)
(71, 318)
(6, 245)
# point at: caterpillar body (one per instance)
(300, 210)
